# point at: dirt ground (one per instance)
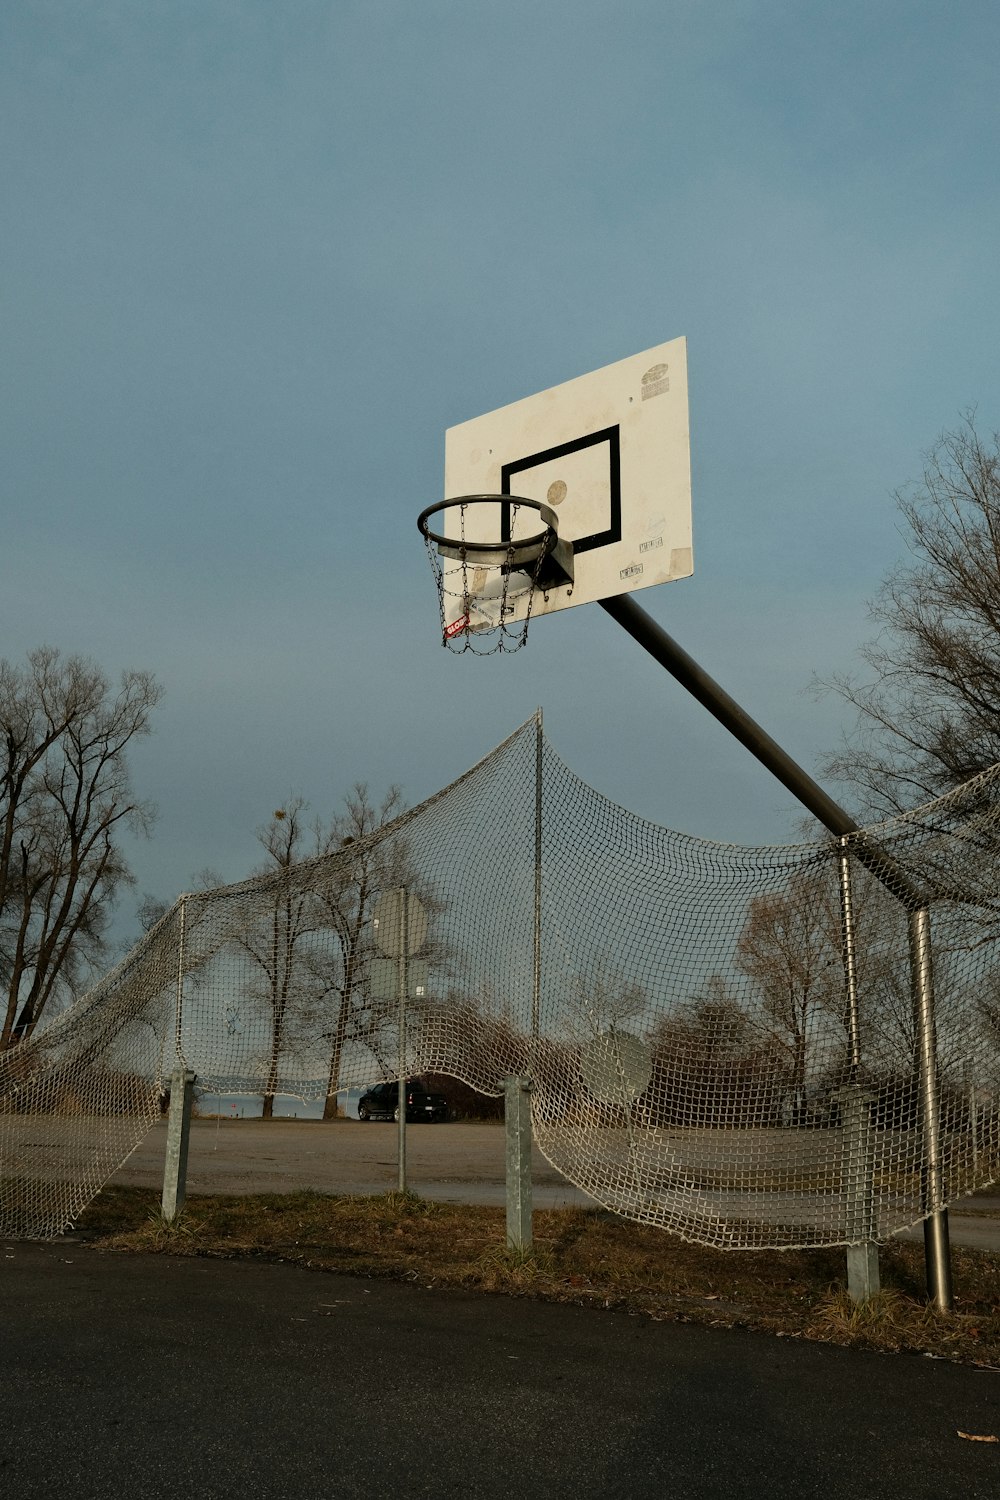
(454, 1163)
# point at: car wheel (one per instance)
(363, 1112)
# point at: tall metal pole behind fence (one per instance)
(181, 1096)
(536, 965)
(932, 1183)
(849, 950)
(404, 949)
(664, 649)
(973, 1110)
(517, 1126)
(858, 1168)
(179, 996)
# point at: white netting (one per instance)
(700, 1060)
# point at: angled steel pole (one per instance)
(654, 639)
(664, 649)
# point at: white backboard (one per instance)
(610, 453)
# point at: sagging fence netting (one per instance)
(735, 1044)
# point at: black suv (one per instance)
(382, 1103)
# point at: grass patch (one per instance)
(579, 1255)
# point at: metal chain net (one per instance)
(734, 1044)
(464, 626)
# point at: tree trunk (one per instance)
(336, 1053)
(343, 1016)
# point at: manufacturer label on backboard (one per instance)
(655, 381)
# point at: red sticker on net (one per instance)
(456, 627)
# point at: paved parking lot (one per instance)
(461, 1163)
(458, 1163)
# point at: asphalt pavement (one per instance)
(163, 1376)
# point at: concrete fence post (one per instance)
(517, 1121)
(178, 1130)
(858, 1171)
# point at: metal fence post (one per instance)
(517, 1122)
(403, 986)
(937, 1251)
(178, 1130)
(973, 1110)
(858, 1165)
(536, 963)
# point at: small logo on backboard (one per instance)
(632, 571)
(651, 545)
(456, 627)
(655, 381)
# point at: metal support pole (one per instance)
(937, 1255)
(850, 954)
(404, 950)
(972, 1114)
(863, 1281)
(178, 1129)
(654, 639)
(179, 998)
(517, 1123)
(664, 649)
(536, 965)
(974, 1123)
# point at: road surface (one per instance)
(461, 1163)
(227, 1380)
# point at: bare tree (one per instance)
(369, 865)
(595, 998)
(276, 943)
(605, 997)
(988, 1007)
(789, 947)
(714, 1065)
(313, 950)
(929, 707)
(65, 797)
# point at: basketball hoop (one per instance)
(478, 579)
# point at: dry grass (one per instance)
(579, 1255)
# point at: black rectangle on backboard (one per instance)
(610, 436)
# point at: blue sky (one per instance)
(257, 258)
